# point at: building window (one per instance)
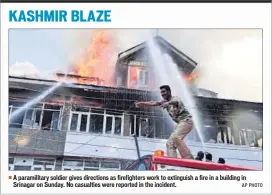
(132, 124)
(113, 125)
(91, 165)
(73, 123)
(109, 165)
(26, 163)
(96, 122)
(118, 125)
(74, 165)
(250, 137)
(137, 63)
(51, 119)
(224, 134)
(141, 127)
(79, 122)
(11, 163)
(109, 124)
(32, 118)
(22, 168)
(11, 160)
(29, 118)
(39, 116)
(43, 164)
(143, 78)
(144, 127)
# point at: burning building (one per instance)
(133, 65)
(87, 126)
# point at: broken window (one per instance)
(159, 128)
(132, 125)
(83, 122)
(32, 118)
(79, 122)
(118, 125)
(242, 135)
(96, 123)
(151, 128)
(113, 125)
(17, 121)
(51, 117)
(209, 131)
(73, 123)
(142, 127)
(93, 122)
(222, 135)
(108, 124)
(250, 137)
(29, 118)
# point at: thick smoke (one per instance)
(229, 60)
(28, 70)
(24, 69)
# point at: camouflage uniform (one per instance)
(184, 126)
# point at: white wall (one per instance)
(85, 144)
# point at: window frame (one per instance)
(79, 117)
(41, 108)
(139, 126)
(105, 116)
(45, 166)
(141, 83)
(70, 167)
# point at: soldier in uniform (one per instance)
(181, 116)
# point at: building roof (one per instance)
(21, 82)
(179, 57)
(26, 83)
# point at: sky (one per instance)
(229, 60)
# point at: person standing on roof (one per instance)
(181, 116)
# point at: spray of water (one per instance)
(35, 100)
(168, 73)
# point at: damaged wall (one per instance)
(24, 141)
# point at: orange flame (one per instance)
(192, 77)
(98, 60)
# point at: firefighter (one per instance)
(208, 157)
(200, 156)
(181, 116)
(221, 161)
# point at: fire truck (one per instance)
(159, 162)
